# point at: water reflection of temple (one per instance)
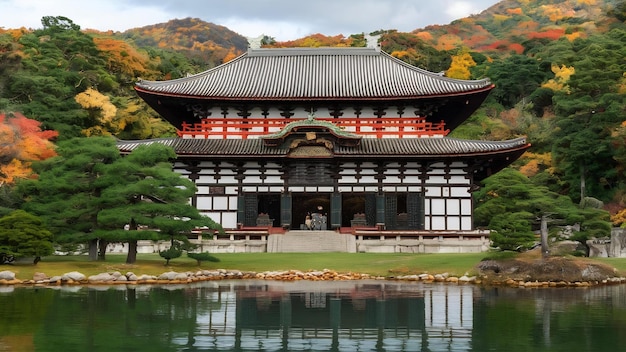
(344, 316)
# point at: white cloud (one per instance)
(282, 19)
(460, 9)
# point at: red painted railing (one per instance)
(398, 127)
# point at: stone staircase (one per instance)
(311, 242)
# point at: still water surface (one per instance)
(312, 316)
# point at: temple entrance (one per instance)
(261, 209)
(359, 209)
(308, 204)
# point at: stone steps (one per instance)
(306, 241)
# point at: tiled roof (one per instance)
(313, 73)
(369, 147)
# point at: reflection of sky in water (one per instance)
(349, 316)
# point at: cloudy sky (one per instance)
(281, 19)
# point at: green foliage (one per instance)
(202, 257)
(24, 235)
(510, 205)
(516, 77)
(511, 231)
(90, 192)
(175, 251)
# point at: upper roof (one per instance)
(314, 74)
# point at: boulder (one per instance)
(564, 247)
(170, 275)
(74, 276)
(102, 277)
(7, 275)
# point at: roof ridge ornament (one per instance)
(255, 42)
(372, 41)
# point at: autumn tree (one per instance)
(101, 111)
(460, 66)
(21, 142)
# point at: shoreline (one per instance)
(76, 278)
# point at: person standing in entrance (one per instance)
(307, 221)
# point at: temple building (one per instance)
(350, 140)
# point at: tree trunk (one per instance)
(102, 250)
(37, 260)
(93, 249)
(131, 258)
(582, 184)
(544, 236)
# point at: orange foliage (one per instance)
(122, 57)
(515, 11)
(619, 218)
(22, 141)
(555, 13)
(535, 162)
(231, 55)
(425, 36)
(448, 42)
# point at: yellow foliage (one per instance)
(100, 107)
(500, 18)
(13, 170)
(573, 36)
(535, 162)
(619, 218)
(587, 2)
(400, 54)
(460, 65)
(562, 75)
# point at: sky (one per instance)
(282, 19)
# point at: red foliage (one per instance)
(22, 141)
(552, 34)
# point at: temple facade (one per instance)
(342, 139)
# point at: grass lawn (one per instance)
(379, 264)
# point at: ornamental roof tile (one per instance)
(313, 74)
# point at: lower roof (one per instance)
(491, 156)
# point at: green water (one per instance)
(312, 316)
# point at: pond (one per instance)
(368, 315)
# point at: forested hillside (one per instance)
(558, 66)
